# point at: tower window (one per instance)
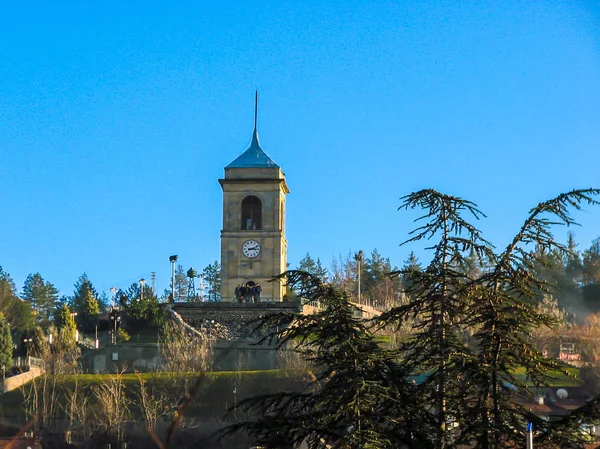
(251, 213)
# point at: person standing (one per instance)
(257, 292)
(242, 293)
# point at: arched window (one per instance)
(251, 213)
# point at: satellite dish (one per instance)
(562, 393)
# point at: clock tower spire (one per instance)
(253, 243)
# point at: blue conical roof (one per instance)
(253, 157)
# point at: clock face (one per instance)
(251, 249)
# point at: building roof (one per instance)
(253, 157)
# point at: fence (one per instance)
(26, 362)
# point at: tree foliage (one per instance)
(6, 344)
(474, 312)
(142, 305)
(85, 304)
(67, 327)
(42, 296)
(212, 276)
(360, 396)
(17, 312)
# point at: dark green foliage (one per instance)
(142, 305)
(67, 327)
(181, 284)
(6, 344)
(212, 276)
(17, 312)
(85, 304)
(360, 396)
(438, 299)
(42, 296)
(591, 263)
(312, 267)
(506, 314)
(475, 326)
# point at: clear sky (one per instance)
(117, 119)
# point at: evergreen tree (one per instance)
(374, 270)
(380, 289)
(507, 313)
(572, 262)
(360, 396)
(142, 305)
(42, 296)
(408, 273)
(90, 313)
(17, 312)
(85, 304)
(6, 344)
(212, 276)
(591, 263)
(439, 300)
(67, 327)
(312, 267)
(181, 284)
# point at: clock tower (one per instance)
(253, 243)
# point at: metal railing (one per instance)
(86, 341)
(26, 362)
(311, 302)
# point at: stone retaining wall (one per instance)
(230, 321)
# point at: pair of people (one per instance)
(249, 292)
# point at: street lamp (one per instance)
(26, 342)
(359, 258)
(142, 282)
(115, 318)
(113, 290)
(173, 259)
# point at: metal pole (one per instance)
(173, 280)
(530, 436)
(358, 257)
(142, 283)
(359, 260)
(113, 290)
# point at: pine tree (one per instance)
(572, 262)
(377, 287)
(6, 344)
(85, 304)
(212, 276)
(312, 267)
(411, 267)
(67, 327)
(360, 396)
(438, 299)
(42, 296)
(507, 313)
(90, 313)
(17, 312)
(142, 305)
(181, 284)
(591, 263)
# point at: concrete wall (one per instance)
(228, 325)
(227, 356)
(14, 382)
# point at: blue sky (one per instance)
(116, 121)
